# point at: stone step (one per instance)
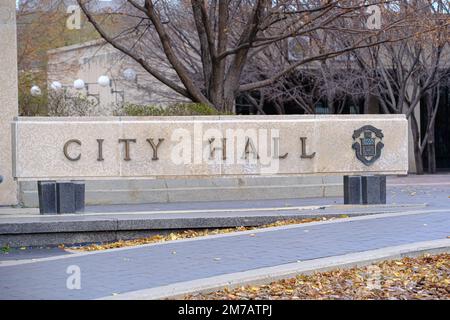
(52, 230)
(105, 192)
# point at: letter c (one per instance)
(66, 146)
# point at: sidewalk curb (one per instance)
(270, 274)
(209, 211)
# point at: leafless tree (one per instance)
(412, 70)
(208, 45)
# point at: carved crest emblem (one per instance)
(368, 144)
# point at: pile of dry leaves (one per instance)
(185, 234)
(426, 277)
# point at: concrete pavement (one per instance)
(151, 270)
(111, 223)
(19, 227)
(107, 273)
(53, 230)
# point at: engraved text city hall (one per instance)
(215, 148)
(367, 148)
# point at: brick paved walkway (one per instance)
(119, 271)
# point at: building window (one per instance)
(321, 108)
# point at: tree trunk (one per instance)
(228, 103)
(431, 148)
(416, 143)
(366, 103)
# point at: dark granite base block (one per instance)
(373, 189)
(352, 190)
(47, 197)
(61, 197)
(65, 193)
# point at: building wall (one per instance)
(90, 60)
(48, 5)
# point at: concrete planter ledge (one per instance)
(84, 228)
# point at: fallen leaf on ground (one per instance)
(426, 277)
(185, 234)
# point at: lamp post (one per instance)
(57, 86)
(121, 93)
(103, 81)
(79, 84)
(130, 75)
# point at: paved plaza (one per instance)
(109, 273)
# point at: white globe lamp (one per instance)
(55, 85)
(35, 91)
(79, 84)
(103, 81)
(129, 74)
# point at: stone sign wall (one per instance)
(8, 97)
(152, 147)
